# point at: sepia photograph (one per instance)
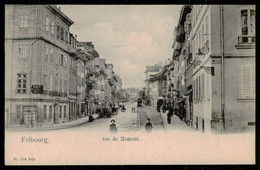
(129, 84)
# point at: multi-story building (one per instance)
(87, 49)
(158, 86)
(182, 57)
(112, 83)
(223, 41)
(100, 68)
(149, 73)
(38, 45)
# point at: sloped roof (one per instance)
(159, 75)
(154, 68)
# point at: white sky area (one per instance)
(128, 36)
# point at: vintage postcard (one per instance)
(127, 85)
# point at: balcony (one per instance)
(180, 34)
(246, 39)
(246, 42)
(72, 94)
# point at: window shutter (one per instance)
(246, 87)
(58, 31)
(239, 23)
(51, 82)
(47, 24)
(26, 51)
(199, 92)
(25, 21)
(52, 27)
(20, 51)
(21, 22)
(253, 80)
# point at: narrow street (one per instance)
(154, 116)
(125, 122)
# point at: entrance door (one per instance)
(55, 115)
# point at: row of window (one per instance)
(62, 112)
(201, 36)
(49, 55)
(199, 88)
(246, 26)
(195, 12)
(23, 52)
(46, 114)
(49, 27)
(247, 84)
(60, 84)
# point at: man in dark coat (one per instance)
(148, 126)
(112, 126)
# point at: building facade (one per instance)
(50, 77)
(38, 45)
(217, 55)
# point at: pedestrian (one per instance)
(169, 115)
(123, 108)
(148, 126)
(112, 126)
(134, 109)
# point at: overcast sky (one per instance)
(130, 37)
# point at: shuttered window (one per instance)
(51, 82)
(52, 27)
(45, 82)
(47, 26)
(23, 21)
(58, 31)
(44, 112)
(247, 81)
(46, 53)
(23, 51)
(199, 90)
(64, 111)
(202, 87)
(50, 112)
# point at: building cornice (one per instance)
(60, 14)
(232, 56)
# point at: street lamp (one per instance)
(209, 70)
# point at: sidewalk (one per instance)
(176, 124)
(71, 124)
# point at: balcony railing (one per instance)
(72, 94)
(246, 39)
(56, 93)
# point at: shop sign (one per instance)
(37, 89)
